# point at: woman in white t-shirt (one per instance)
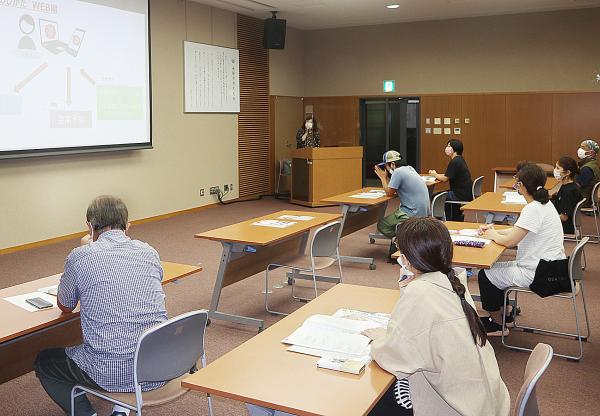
(538, 234)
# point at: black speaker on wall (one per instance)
(274, 33)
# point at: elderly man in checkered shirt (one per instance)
(117, 282)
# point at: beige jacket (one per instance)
(428, 334)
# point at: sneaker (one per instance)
(118, 414)
(492, 328)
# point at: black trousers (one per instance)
(58, 375)
(387, 405)
(492, 298)
(453, 212)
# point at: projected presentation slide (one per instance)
(74, 74)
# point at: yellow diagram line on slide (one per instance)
(31, 76)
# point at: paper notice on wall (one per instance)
(447, 121)
(437, 121)
(437, 130)
(447, 130)
(427, 130)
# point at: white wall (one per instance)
(42, 198)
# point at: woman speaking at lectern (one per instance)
(308, 134)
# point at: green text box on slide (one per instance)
(120, 103)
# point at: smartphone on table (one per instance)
(39, 303)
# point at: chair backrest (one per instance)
(437, 206)
(526, 404)
(326, 239)
(577, 216)
(285, 167)
(575, 270)
(595, 196)
(477, 187)
(171, 348)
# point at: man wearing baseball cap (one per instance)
(408, 185)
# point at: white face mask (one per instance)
(308, 125)
(581, 154)
(557, 174)
(404, 272)
(448, 150)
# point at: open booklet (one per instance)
(337, 339)
(513, 198)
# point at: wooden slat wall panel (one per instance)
(575, 117)
(254, 146)
(528, 126)
(338, 119)
(540, 127)
(505, 127)
(432, 146)
(485, 137)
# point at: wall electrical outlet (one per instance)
(226, 188)
(202, 192)
(214, 190)
(231, 187)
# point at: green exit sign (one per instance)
(389, 85)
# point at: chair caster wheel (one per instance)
(371, 241)
(372, 266)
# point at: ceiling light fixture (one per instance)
(392, 6)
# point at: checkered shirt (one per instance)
(117, 282)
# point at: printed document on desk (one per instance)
(296, 217)
(513, 198)
(274, 223)
(50, 290)
(369, 195)
(456, 238)
(21, 300)
(323, 335)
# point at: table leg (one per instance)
(355, 210)
(307, 276)
(216, 296)
(495, 181)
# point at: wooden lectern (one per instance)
(321, 172)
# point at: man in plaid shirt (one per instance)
(117, 282)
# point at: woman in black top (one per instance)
(308, 135)
(457, 172)
(568, 195)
